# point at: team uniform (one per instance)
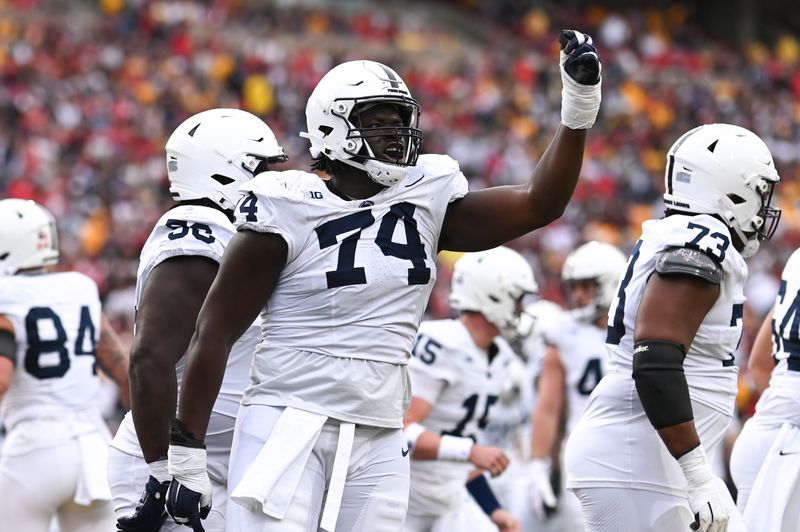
(457, 378)
(186, 231)
(330, 374)
(509, 428)
(759, 457)
(52, 459)
(614, 444)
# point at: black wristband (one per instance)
(482, 493)
(179, 435)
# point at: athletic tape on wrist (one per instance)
(579, 103)
(188, 466)
(696, 467)
(454, 448)
(159, 469)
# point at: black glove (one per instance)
(582, 62)
(150, 512)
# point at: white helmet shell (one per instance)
(599, 262)
(212, 153)
(493, 283)
(28, 237)
(728, 171)
(332, 118)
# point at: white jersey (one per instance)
(56, 319)
(339, 327)
(582, 351)
(190, 231)
(614, 444)
(457, 379)
(709, 364)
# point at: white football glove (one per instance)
(580, 79)
(709, 497)
(189, 493)
(543, 499)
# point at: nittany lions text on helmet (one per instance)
(212, 153)
(28, 237)
(726, 171)
(598, 262)
(334, 125)
(493, 283)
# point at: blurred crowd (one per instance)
(91, 90)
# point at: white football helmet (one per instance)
(726, 171)
(493, 283)
(212, 153)
(599, 262)
(28, 237)
(334, 128)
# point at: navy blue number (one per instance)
(412, 250)
(591, 376)
(616, 330)
(426, 349)
(37, 346)
(721, 245)
(248, 205)
(470, 403)
(86, 327)
(201, 232)
(789, 340)
(345, 273)
(484, 420)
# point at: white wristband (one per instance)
(158, 470)
(413, 432)
(454, 448)
(579, 103)
(696, 467)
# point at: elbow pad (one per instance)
(661, 383)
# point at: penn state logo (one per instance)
(366, 203)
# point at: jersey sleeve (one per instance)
(11, 302)
(706, 234)
(444, 169)
(181, 232)
(273, 203)
(429, 368)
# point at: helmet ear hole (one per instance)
(736, 199)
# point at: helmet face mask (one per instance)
(212, 153)
(726, 171)
(493, 282)
(28, 236)
(336, 127)
(600, 264)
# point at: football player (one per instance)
(639, 458)
(458, 370)
(572, 365)
(52, 337)
(341, 270)
(208, 156)
(765, 461)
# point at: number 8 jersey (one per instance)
(56, 318)
(355, 285)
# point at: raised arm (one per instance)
(113, 359)
(761, 362)
(487, 218)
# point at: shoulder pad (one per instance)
(687, 261)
